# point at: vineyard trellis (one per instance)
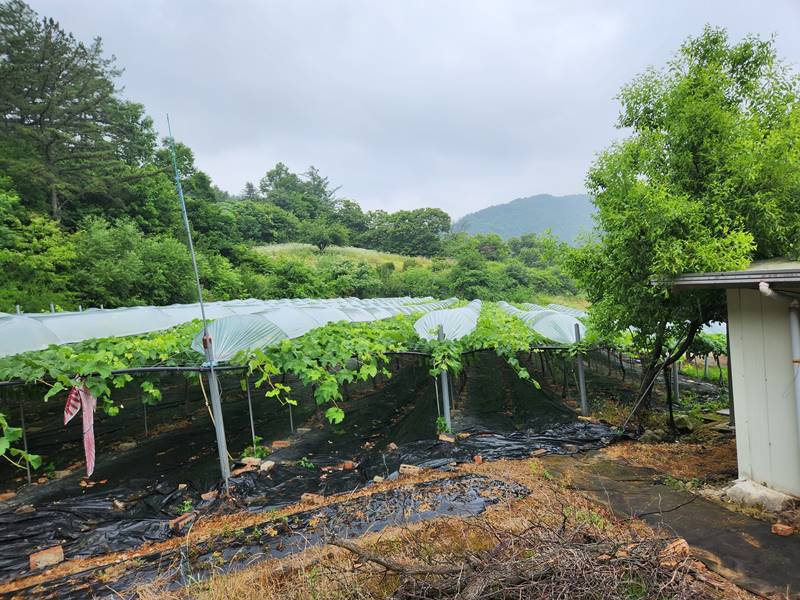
(326, 357)
(325, 354)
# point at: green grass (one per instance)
(697, 372)
(310, 254)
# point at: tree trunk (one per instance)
(55, 204)
(668, 386)
(656, 363)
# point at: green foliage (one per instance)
(410, 232)
(65, 133)
(92, 362)
(331, 356)
(707, 180)
(323, 233)
(97, 220)
(257, 449)
(36, 257)
(16, 456)
(185, 507)
(441, 425)
(306, 463)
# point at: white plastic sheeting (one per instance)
(35, 331)
(455, 322)
(556, 324)
(235, 334)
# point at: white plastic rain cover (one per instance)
(455, 322)
(36, 331)
(292, 319)
(556, 323)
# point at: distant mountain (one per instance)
(566, 216)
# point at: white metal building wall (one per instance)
(767, 444)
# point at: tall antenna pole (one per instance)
(186, 226)
(213, 382)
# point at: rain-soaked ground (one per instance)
(137, 489)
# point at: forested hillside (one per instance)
(89, 212)
(564, 216)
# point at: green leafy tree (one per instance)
(306, 197)
(410, 232)
(65, 132)
(36, 258)
(708, 179)
(324, 233)
(264, 222)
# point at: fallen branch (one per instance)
(394, 566)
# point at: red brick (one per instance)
(410, 470)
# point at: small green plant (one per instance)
(50, 470)
(538, 470)
(587, 517)
(441, 425)
(186, 506)
(676, 483)
(306, 463)
(257, 450)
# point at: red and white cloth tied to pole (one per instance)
(81, 397)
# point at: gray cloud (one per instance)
(458, 104)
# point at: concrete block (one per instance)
(750, 493)
(267, 466)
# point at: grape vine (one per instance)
(326, 358)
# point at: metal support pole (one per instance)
(250, 408)
(80, 308)
(581, 378)
(24, 438)
(219, 426)
(146, 428)
(291, 419)
(445, 390)
(213, 382)
(677, 367)
(19, 312)
(52, 308)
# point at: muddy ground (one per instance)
(116, 531)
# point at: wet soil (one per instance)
(135, 491)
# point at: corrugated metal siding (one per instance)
(768, 447)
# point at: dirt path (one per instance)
(738, 547)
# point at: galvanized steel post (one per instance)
(581, 378)
(445, 390)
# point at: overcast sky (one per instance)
(457, 104)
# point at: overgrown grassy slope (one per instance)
(310, 254)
